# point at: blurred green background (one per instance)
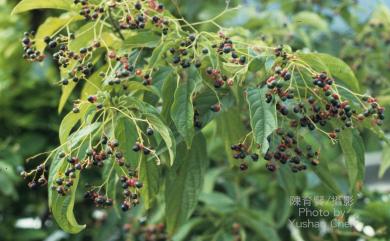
(356, 31)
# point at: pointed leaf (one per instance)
(262, 116)
(62, 206)
(27, 5)
(165, 133)
(145, 39)
(184, 182)
(353, 149)
(149, 175)
(385, 164)
(126, 134)
(334, 66)
(182, 110)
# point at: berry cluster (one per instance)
(39, 178)
(288, 151)
(241, 152)
(131, 186)
(324, 107)
(140, 147)
(64, 57)
(374, 110)
(89, 11)
(63, 183)
(219, 79)
(226, 47)
(126, 71)
(280, 52)
(99, 199)
(183, 53)
(94, 157)
(30, 51)
(93, 99)
(150, 232)
(324, 110)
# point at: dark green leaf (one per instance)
(126, 134)
(150, 177)
(218, 202)
(385, 164)
(145, 39)
(184, 182)
(165, 133)
(353, 149)
(182, 110)
(262, 116)
(169, 87)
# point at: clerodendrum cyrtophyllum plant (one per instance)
(149, 83)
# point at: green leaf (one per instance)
(79, 135)
(218, 202)
(54, 167)
(385, 164)
(232, 68)
(165, 133)
(150, 177)
(50, 26)
(262, 116)
(8, 180)
(62, 206)
(256, 221)
(322, 170)
(62, 209)
(92, 86)
(84, 34)
(27, 5)
(230, 128)
(211, 178)
(269, 63)
(137, 86)
(353, 149)
(126, 134)
(324, 174)
(283, 207)
(110, 174)
(139, 105)
(169, 87)
(207, 97)
(311, 19)
(161, 76)
(286, 180)
(66, 92)
(159, 51)
(182, 110)
(184, 182)
(145, 39)
(186, 229)
(333, 66)
(69, 121)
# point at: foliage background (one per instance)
(356, 31)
